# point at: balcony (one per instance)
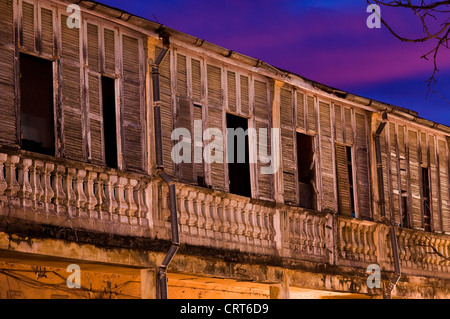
(74, 195)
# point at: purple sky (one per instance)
(324, 40)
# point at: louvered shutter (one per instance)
(166, 111)
(348, 126)
(198, 161)
(287, 146)
(74, 147)
(326, 155)
(362, 166)
(196, 80)
(181, 75)
(133, 111)
(95, 115)
(414, 178)
(444, 187)
(396, 191)
(231, 86)
(7, 74)
(215, 120)
(339, 134)
(184, 120)
(47, 31)
(301, 111)
(28, 25)
(261, 113)
(110, 51)
(244, 95)
(434, 182)
(343, 183)
(311, 113)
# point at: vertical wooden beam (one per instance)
(252, 140)
(333, 155)
(150, 146)
(355, 163)
(119, 98)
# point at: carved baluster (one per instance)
(110, 203)
(184, 217)
(209, 215)
(91, 199)
(365, 232)
(140, 193)
(59, 196)
(129, 199)
(190, 209)
(3, 183)
(47, 186)
(99, 193)
(70, 200)
(224, 221)
(199, 204)
(341, 240)
(254, 223)
(248, 223)
(24, 181)
(217, 212)
(232, 218)
(81, 198)
(321, 232)
(431, 261)
(302, 228)
(263, 225)
(119, 191)
(11, 178)
(240, 220)
(37, 191)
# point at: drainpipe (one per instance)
(382, 203)
(175, 241)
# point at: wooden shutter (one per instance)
(326, 155)
(184, 120)
(196, 80)
(414, 178)
(261, 113)
(435, 184)
(47, 31)
(214, 85)
(343, 183)
(109, 51)
(287, 145)
(444, 187)
(231, 86)
(348, 126)
(95, 115)
(181, 75)
(300, 111)
(167, 115)
(28, 25)
(133, 111)
(339, 129)
(215, 120)
(245, 104)
(74, 147)
(396, 191)
(199, 167)
(311, 113)
(7, 74)
(362, 166)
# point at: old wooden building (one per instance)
(89, 102)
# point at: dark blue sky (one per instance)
(323, 40)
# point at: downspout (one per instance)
(175, 241)
(382, 203)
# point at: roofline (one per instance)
(158, 28)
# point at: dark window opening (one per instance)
(305, 171)
(344, 168)
(426, 199)
(405, 216)
(238, 169)
(109, 121)
(36, 105)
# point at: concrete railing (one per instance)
(66, 193)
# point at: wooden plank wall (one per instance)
(80, 57)
(406, 149)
